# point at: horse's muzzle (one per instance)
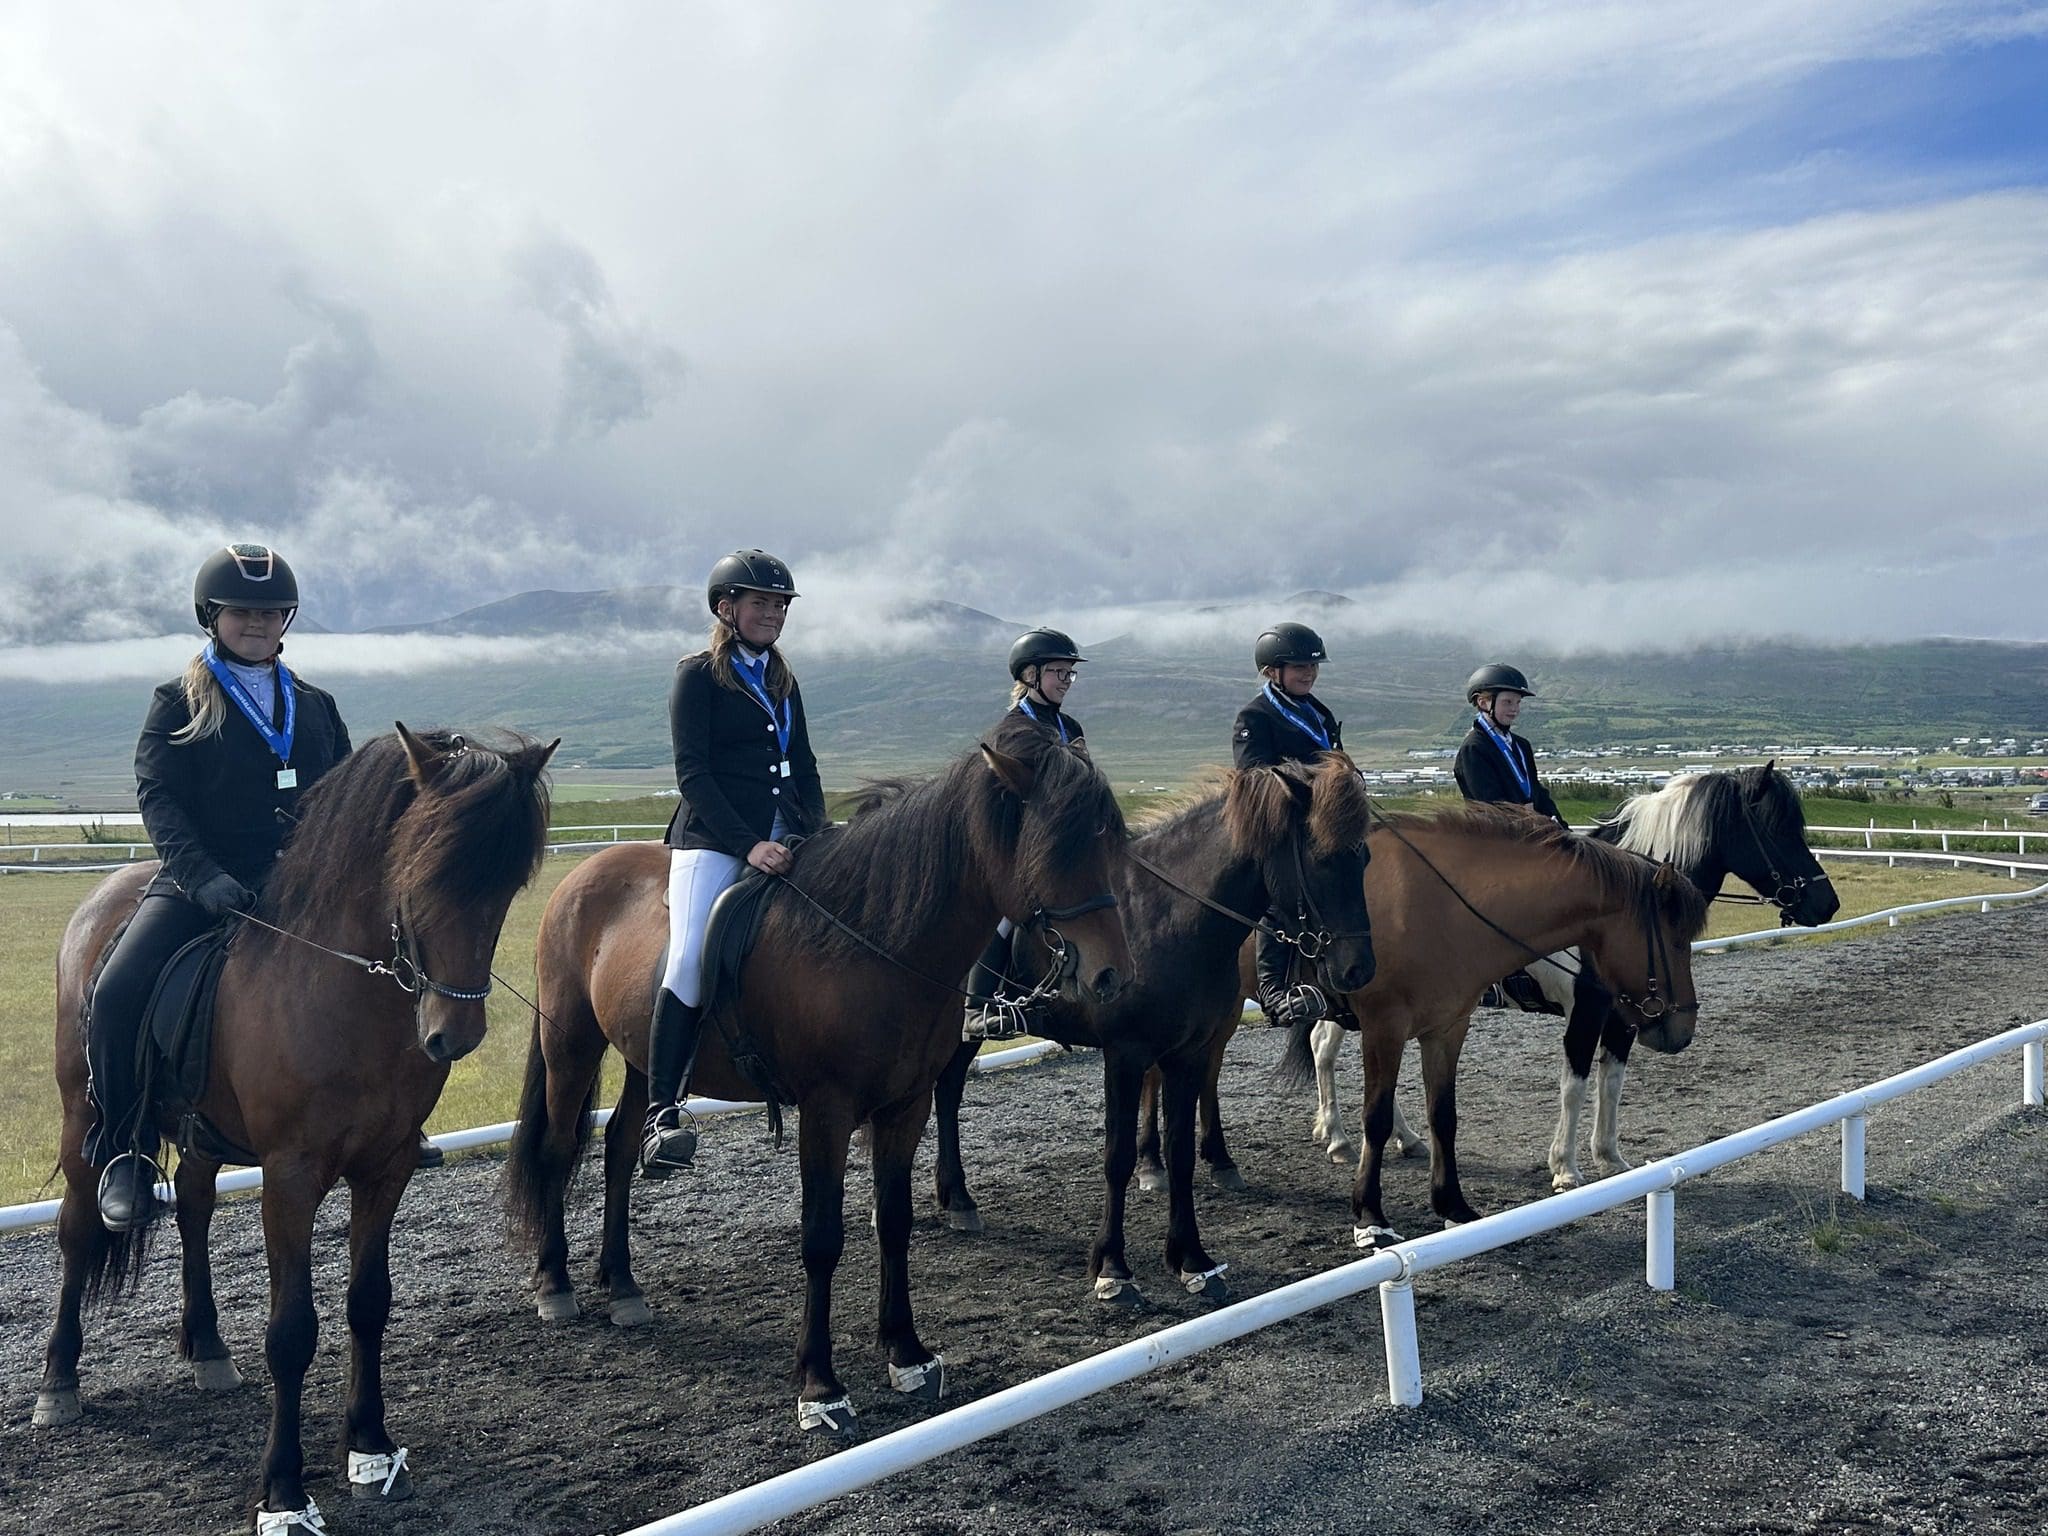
(449, 1045)
(1670, 1033)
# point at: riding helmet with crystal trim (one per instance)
(243, 576)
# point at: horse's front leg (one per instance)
(1582, 1032)
(1122, 1078)
(1612, 1066)
(199, 1340)
(629, 1307)
(1186, 1258)
(1379, 1044)
(1328, 1131)
(962, 1215)
(824, 1128)
(913, 1369)
(1440, 1092)
(291, 1194)
(1223, 1170)
(376, 1463)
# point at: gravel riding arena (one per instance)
(1821, 1366)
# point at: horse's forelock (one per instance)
(1258, 811)
(473, 837)
(1683, 904)
(1777, 803)
(1340, 811)
(1070, 806)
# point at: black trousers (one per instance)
(164, 924)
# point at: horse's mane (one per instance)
(482, 840)
(909, 841)
(1623, 875)
(1259, 807)
(1678, 821)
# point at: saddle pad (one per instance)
(179, 1020)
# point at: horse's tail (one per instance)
(114, 1263)
(1297, 1068)
(529, 1179)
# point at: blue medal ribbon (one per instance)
(258, 715)
(753, 677)
(1304, 721)
(1507, 750)
(1058, 719)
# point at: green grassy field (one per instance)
(483, 1089)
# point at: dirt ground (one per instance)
(1821, 1367)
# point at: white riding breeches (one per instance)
(696, 876)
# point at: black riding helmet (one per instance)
(1497, 677)
(244, 576)
(747, 570)
(1035, 647)
(1289, 645)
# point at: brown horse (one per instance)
(413, 847)
(1459, 898)
(846, 1000)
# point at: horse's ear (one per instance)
(1014, 772)
(532, 758)
(426, 762)
(1763, 780)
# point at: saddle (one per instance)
(729, 936)
(175, 1048)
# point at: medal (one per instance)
(287, 778)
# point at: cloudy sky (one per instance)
(1578, 324)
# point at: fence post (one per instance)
(2033, 1059)
(1404, 1357)
(1852, 1156)
(1660, 1262)
(1944, 842)
(1869, 838)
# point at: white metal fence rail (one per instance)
(1393, 1270)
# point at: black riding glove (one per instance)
(222, 894)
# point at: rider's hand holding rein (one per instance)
(747, 783)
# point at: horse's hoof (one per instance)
(1207, 1284)
(1119, 1291)
(631, 1312)
(834, 1418)
(1226, 1176)
(968, 1220)
(55, 1409)
(926, 1381)
(283, 1522)
(1375, 1238)
(1560, 1182)
(373, 1476)
(557, 1306)
(1152, 1180)
(1407, 1146)
(216, 1375)
(1342, 1153)
(1610, 1166)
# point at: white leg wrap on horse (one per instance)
(280, 1522)
(366, 1468)
(836, 1415)
(1197, 1281)
(911, 1378)
(1374, 1237)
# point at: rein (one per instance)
(403, 967)
(1311, 943)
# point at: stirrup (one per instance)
(1300, 1002)
(141, 1173)
(999, 1018)
(669, 1143)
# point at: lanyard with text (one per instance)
(1507, 750)
(1304, 721)
(754, 678)
(1058, 719)
(258, 715)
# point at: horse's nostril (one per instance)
(1108, 982)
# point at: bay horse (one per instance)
(1197, 880)
(324, 1065)
(846, 1000)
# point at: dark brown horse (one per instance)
(1459, 898)
(851, 1023)
(1291, 838)
(409, 851)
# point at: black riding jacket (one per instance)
(729, 765)
(1483, 773)
(1264, 735)
(1051, 719)
(211, 805)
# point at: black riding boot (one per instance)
(670, 1139)
(127, 1193)
(989, 1015)
(1273, 964)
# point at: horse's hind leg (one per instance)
(83, 1243)
(1440, 1091)
(1151, 1163)
(629, 1307)
(1186, 1258)
(571, 1066)
(1328, 1131)
(951, 1175)
(199, 1340)
(913, 1369)
(1612, 1066)
(376, 1470)
(1223, 1171)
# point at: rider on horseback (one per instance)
(1042, 663)
(1496, 765)
(225, 753)
(1285, 722)
(749, 785)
